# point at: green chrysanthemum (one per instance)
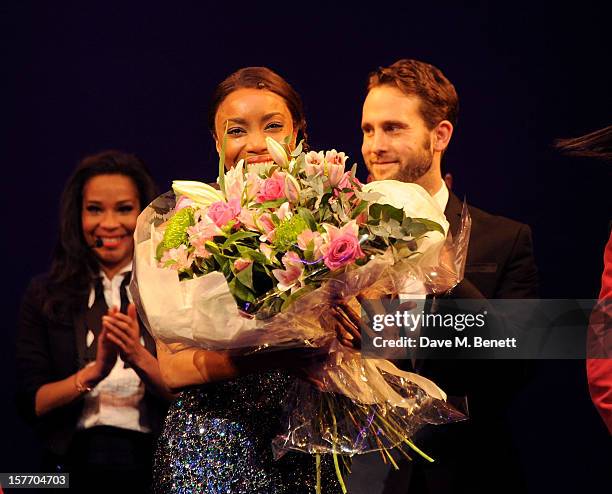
(288, 231)
(176, 231)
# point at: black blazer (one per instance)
(500, 264)
(48, 350)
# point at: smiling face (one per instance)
(110, 208)
(396, 142)
(252, 115)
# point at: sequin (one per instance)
(217, 440)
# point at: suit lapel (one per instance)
(80, 335)
(453, 212)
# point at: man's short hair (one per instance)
(439, 100)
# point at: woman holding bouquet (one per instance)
(91, 383)
(218, 433)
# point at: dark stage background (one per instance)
(83, 77)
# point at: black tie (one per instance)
(93, 319)
(125, 301)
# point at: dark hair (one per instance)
(596, 144)
(439, 100)
(74, 264)
(259, 78)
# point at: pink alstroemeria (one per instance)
(334, 163)
(266, 225)
(253, 185)
(330, 165)
(313, 164)
(222, 212)
(292, 188)
(311, 240)
(347, 183)
(183, 203)
(333, 157)
(247, 218)
(341, 246)
(272, 188)
(240, 264)
(200, 233)
(234, 182)
(177, 259)
(289, 278)
(284, 211)
(267, 251)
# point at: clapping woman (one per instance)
(88, 378)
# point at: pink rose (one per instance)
(222, 212)
(342, 245)
(272, 188)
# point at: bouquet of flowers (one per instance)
(258, 262)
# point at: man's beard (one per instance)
(416, 166)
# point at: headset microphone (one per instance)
(97, 244)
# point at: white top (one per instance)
(116, 400)
(415, 290)
(441, 197)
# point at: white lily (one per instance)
(278, 153)
(201, 194)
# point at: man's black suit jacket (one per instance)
(477, 455)
(500, 265)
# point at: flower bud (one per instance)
(278, 153)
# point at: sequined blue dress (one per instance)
(217, 439)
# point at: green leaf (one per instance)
(359, 209)
(297, 294)
(159, 252)
(272, 204)
(239, 235)
(252, 254)
(246, 276)
(212, 247)
(221, 179)
(241, 292)
(431, 225)
(306, 214)
(298, 150)
(385, 212)
(416, 229)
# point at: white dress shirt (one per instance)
(116, 400)
(441, 197)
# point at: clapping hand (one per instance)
(106, 355)
(124, 331)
